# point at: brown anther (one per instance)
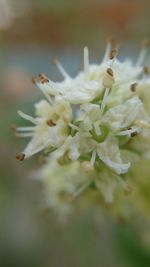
(145, 43)
(112, 41)
(110, 72)
(50, 123)
(55, 61)
(33, 80)
(113, 53)
(20, 156)
(44, 81)
(146, 70)
(134, 134)
(133, 87)
(43, 78)
(41, 75)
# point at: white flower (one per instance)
(63, 183)
(92, 120)
(50, 128)
(109, 153)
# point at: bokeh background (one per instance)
(32, 33)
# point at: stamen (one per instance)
(110, 72)
(106, 54)
(86, 60)
(143, 52)
(104, 101)
(28, 152)
(130, 131)
(133, 87)
(47, 96)
(111, 44)
(20, 156)
(111, 40)
(97, 128)
(50, 123)
(108, 79)
(25, 129)
(93, 158)
(81, 189)
(24, 134)
(143, 124)
(113, 53)
(61, 68)
(74, 127)
(27, 117)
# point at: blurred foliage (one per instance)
(129, 248)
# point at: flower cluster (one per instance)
(91, 127)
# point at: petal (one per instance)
(109, 153)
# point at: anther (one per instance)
(33, 80)
(134, 134)
(145, 43)
(110, 72)
(20, 156)
(133, 87)
(43, 78)
(113, 53)
(146, 70)
(55, 61)
(50, 123)
(111, 41)
(108, 80)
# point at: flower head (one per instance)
(92, 119)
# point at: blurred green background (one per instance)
(32, 33)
